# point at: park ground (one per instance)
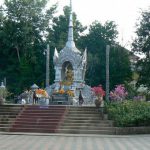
(38, 141)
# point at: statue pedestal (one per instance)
(60, 99)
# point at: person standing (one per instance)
(80, 99)
(35, 98)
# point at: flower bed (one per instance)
(129, 113)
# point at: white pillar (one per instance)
(47, 66)
(107, 72)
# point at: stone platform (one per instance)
(59, 99)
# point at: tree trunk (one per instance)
(18, 54)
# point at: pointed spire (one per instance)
(56, 55)
(84, 59)
(70, 43)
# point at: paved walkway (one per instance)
(71, 142)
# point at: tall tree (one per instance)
(120, 66)
(22, 42)
(141, 44)
(96, 40)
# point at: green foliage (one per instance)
(142, 41)
(22, 33)
(120, 66)
(25, 29)
(129, 113)
(132, 90)
(96, 40)
(141, 44)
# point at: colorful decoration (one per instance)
(62, 91)
(70, 93)
(119, 93)
(41, 93)
(98, 91)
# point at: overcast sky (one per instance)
(124, 12)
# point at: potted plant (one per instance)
(99, 93)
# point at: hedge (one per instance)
(129, 113)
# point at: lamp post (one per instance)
(107, 72)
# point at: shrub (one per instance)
(129, 113)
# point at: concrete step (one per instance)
(82, 118)
(87, 124)
(32, 130)
(6, 119)
(36, 123)
(10, 108)
(41, 114)
(72, 120)
(4, 129)
(50, 126)
(5, 125)
(39, 117)
(39, 107)
(84, 115)
(83, 112)
(44, 111)
(7, 116)
(87, 127)
(81, 109)
(74, 131)
(8, 113)
(32, 120)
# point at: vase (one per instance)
(97, 103)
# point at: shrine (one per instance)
(70, 67)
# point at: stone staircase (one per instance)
(8, 114)
(40, 119)
(54, 119)
(85, 120)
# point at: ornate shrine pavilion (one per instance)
(70, 67)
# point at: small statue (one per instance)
(68, 80)
(69, 75)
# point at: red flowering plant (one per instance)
(98, 91)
